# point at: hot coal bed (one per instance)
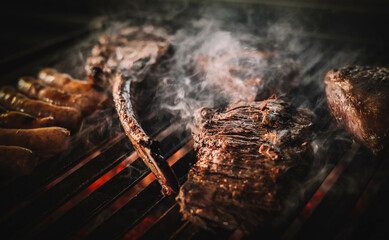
(99, 188)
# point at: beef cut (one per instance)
(123, 61)
(246, 155)
(358, 97)
(133, 49)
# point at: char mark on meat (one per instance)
(358, 97)
(246, 155)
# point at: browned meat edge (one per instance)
(146, 148)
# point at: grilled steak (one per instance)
(124, 60)
(246, 155)
(358, 97)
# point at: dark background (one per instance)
(32, 28)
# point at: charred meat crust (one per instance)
(246, 156)
(147, 148)
(358, 97)
(124, 60)
(133, 48)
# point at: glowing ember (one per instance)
(134, 191)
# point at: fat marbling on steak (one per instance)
(246, 155)
(358, 97)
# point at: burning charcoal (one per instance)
(246, 155)
(358, 97)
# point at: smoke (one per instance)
(212, 67)
(209, 52)
(217, 61)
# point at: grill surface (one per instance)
(100, 189)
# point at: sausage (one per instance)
(15, 119)
(35, 89)
(16, 161)
(68, 117)
(44, 142)
(65, 82)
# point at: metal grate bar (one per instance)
(25, 189)
(339, 204)
(166, 223)
(186, 231)
(104, 190)
(368, 202)
(56, 196)
(129, 210)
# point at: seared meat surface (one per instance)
(134, 48)
(246, 155)
(123, 61)
(358, 97)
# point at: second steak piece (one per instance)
(358, 97)
(246, 155)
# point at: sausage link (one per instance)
(44, 142)
(15, 119)
(35, 89)
(65, 82)
(64, 116)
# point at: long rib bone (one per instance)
(146, 147)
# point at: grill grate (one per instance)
(102, 190)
